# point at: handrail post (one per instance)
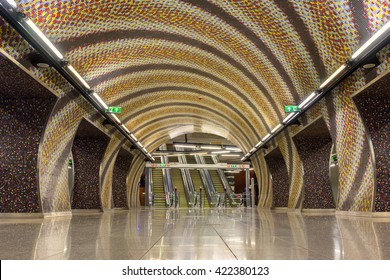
(201, 199)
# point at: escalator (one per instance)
(177, 182)
(158, 186)
(197, 182)
(216, 179)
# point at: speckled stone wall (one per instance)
(374, 107)
(121, 169)
(21, 124)
(314, 153)
(87, 155)
(280, 180)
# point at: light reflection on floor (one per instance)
(194, 235)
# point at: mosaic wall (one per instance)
(264, 179)
(294, 170)
(280, 179)
(374, 107)
(107, 169)
(257, 55)
(22, 122)
(87, 155)
(121, 169)
(315, 153)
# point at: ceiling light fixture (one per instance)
(289, 117)
(133, 137)
(100, 101)
(210, 147)
(125, 129)
(258, 144)
(276, 128)
(12, 3)
(376, 36)
(42, 36)
(230, 155)
(234, 149)
(333, 76)
(189, 146)
(221, 152)
(78, 77)
(266, 137)
(307, 100)
(118, 121)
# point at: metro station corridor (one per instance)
(195, 129)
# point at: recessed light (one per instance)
(43, 65)
(369, 65)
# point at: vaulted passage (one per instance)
(182, 106)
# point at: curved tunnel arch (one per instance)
(230, 42)
(127, 50)
(138, 84)
(176, 96)
(199, 111)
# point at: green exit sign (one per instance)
(291, 108)
(233, 166)
(114, 110)
(163, 165)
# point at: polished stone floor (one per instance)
(194, 235)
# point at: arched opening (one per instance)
(88, 149)
(314, 145)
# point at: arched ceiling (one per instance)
(231, 65)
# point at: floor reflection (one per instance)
(195, 234)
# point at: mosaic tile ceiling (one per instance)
(235, 62)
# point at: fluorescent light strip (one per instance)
(221, 152)
(266, 137)
(12, 3)
(243, 158)
(307, 100)
(133, 137)
(100, 101)
(334, 75)
(211, 147)
(44, 38)
(74, 72)
(247, 155)
(118, 121)
(144, 150)
(276, 128)
(289, 117)
(234, 149)
(384, 28)
(125, 129)
(185, 146)
(230, 155)
(252, 150)
(139, 144)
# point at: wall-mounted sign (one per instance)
(114, 110)
(291, 108)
